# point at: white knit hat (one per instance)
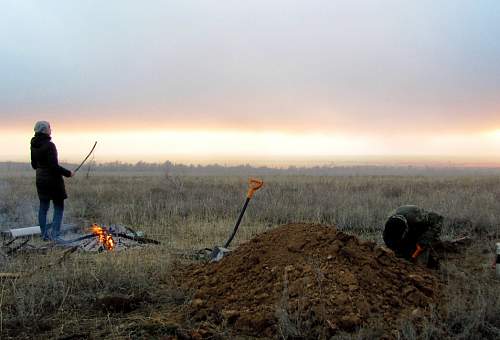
(42, 127)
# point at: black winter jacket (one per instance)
(49, 181)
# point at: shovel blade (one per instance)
(218, 253)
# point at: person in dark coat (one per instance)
(49, 180)
(412, 232)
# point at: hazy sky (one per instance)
(233, 78)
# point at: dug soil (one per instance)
(308, 280)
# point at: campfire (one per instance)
(104, 236)
(101, 238)
(113, 237)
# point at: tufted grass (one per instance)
(189, 213)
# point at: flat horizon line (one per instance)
(281, 164)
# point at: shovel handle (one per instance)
(254, 185)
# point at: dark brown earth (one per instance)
(303, 279)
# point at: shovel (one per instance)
(218, 252)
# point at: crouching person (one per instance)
(412, 232)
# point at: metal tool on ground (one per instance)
(85, 159)
(218, 252)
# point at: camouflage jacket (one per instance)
(424, 227)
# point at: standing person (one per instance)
(411, 232)
(49, 181)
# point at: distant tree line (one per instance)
(178, 169)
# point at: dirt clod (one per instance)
(311, 280)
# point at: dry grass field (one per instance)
(188, 213)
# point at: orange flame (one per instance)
(104, 236)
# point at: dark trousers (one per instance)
(56, 219)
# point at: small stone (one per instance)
(197, 303)
(416, 313)
(231, 315)
(353, 287)
(262, 296)
(349, 322)
(416, 278)
(407, 290)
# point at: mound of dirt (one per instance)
(313, 280)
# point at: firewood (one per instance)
(11, 251)
(138, 238)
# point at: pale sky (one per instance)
(223, 80)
